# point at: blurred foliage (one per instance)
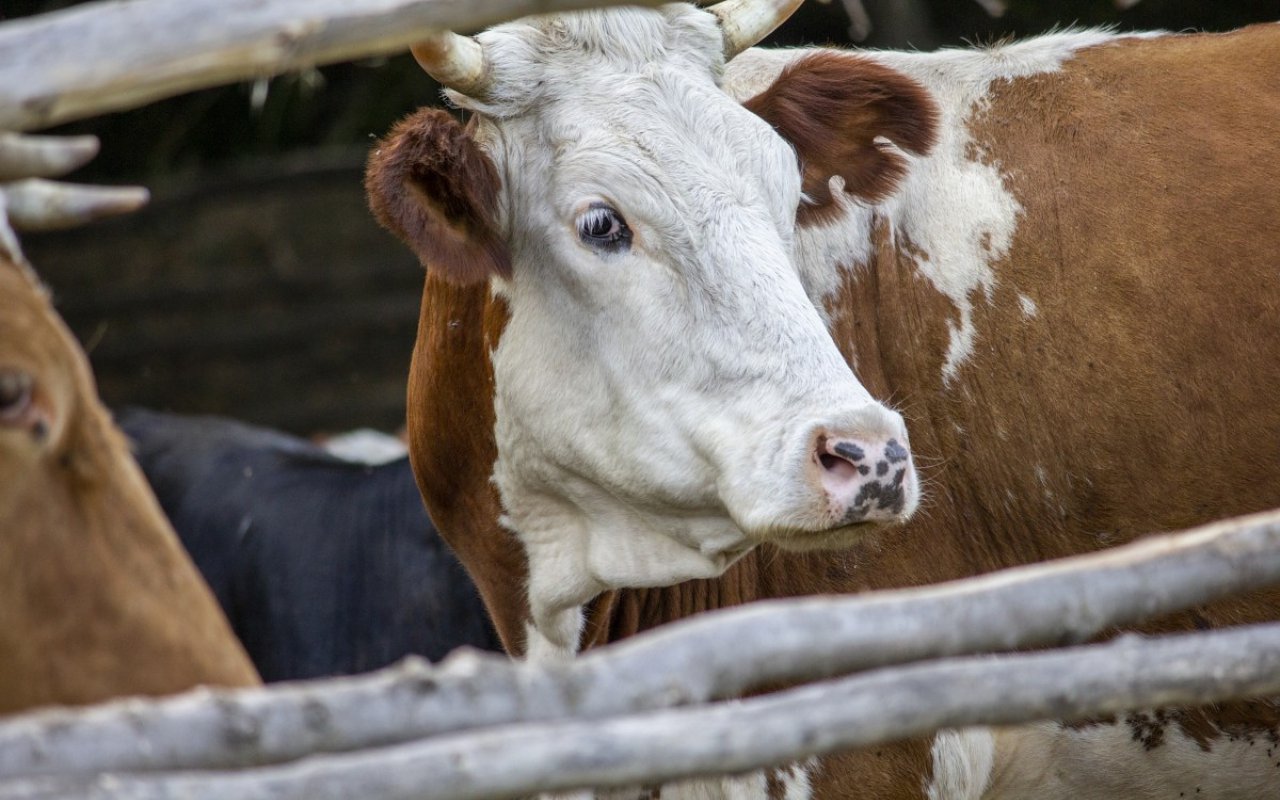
(346, 105)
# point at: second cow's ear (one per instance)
(430, 184)
(833, 108)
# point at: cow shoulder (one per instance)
(431, 185)
(848, 116)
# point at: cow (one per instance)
(705, 323)
(324, 566)
(97, 597)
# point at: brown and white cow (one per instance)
(97, 597)
(656, 264)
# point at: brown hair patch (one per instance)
(833, 107)
(430, 184)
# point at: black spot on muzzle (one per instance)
(878, 496)
(850, 451)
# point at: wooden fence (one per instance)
(887, 666)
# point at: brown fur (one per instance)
(97, 597)
(1144, 388)
(451, 441)
(832, 108)
(431, 185)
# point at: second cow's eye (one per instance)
(601, 227)
(15, 395)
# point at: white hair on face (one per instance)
(538, 58)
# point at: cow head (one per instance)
(666, 393)
(40, 381)
(97, 597)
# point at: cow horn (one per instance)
(457, 62)
(746, 22)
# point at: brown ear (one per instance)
(429, 183)
(832, 107)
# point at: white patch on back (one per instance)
(797, 779)
(955, 210)
(962, 763)
(1029, 309)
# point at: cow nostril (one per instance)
(864, 476)
(837, 466)
(850, 451)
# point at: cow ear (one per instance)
(838, 110)
(431, 185)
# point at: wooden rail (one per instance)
(478, 725)
(119, 54)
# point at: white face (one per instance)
(667, 394)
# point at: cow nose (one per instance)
(866, 479)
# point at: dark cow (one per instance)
(324, 566)
(97, 598)
(657, 260)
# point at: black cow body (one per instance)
(324, 566)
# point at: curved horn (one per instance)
(745, 22)
(457, 62)
(23, 156)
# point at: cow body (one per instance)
(97, 598)
(1070, 296)
(323, 566)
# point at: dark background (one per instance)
(256, 284)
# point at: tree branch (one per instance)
(108, 56)
(30, 203)
(39, 205)
(711, 656)
(43, 156)
(889, 705)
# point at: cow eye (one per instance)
(15, 395)
(601, 227)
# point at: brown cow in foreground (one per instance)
(97, 597)
(653, 275)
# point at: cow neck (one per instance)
(763, 573)
(451, 443)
